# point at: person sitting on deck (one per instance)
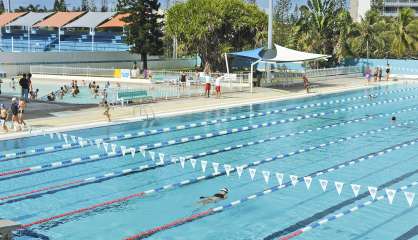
(221, 195)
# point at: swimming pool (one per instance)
(64, 190)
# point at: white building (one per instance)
(358, 9)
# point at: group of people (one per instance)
(377, 73)
(17, 108)
(208, 84)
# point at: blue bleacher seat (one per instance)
(44, 40)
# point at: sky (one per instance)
(76, 3)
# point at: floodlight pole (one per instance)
(270, 33)
(270, 26)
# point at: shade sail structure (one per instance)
(29, 19)
(90, 20)
(253, 54)
(59, 19)
(115, 22)
(279, 55)
(284, 55)
(6, 18)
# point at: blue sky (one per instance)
(49, 3)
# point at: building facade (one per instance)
(391, 8)
(358, 9)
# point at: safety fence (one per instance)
(288, 77)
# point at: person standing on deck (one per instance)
(24, 83)
(306, 83)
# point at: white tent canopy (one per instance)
(284, 55)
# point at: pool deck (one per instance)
(93, 116)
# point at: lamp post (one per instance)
(270, 35)
(270, 26)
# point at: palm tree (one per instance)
(405, 32)
(319, 26)
(366, 38)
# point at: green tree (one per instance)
(282, 11)
(2, 6)
(85, 5)
(211, 28)
(63, 6)
(318, 27)
(56, 5)
(377, 5)
(30, 8)
(59, 6)
(405, 32)
(366, 38)
(144, 30)
(282, 25)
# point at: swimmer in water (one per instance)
(221, 195)
(393, 119)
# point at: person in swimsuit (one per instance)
(387, 72)
(107, 110)
(306, 84)
(15, 112)
(221, 195)
(22, 106)
(4, 115)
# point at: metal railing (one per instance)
(71, 71)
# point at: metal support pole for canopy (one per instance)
(59, 39)
(252, 74)
(92, 39)
(226, 62)
(29, 29)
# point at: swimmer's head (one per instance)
(225, 190)
(393, 118)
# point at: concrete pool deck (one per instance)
(93, 117)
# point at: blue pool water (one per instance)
(266, 217)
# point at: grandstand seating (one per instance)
(42, 41)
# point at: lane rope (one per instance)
(103, 156)
(143, 168)
(221, 173)
(212, 211)
(345, 213)
(50, 149)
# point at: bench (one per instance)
(6, 228)
(134, 95)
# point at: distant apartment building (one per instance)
(392, 7)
